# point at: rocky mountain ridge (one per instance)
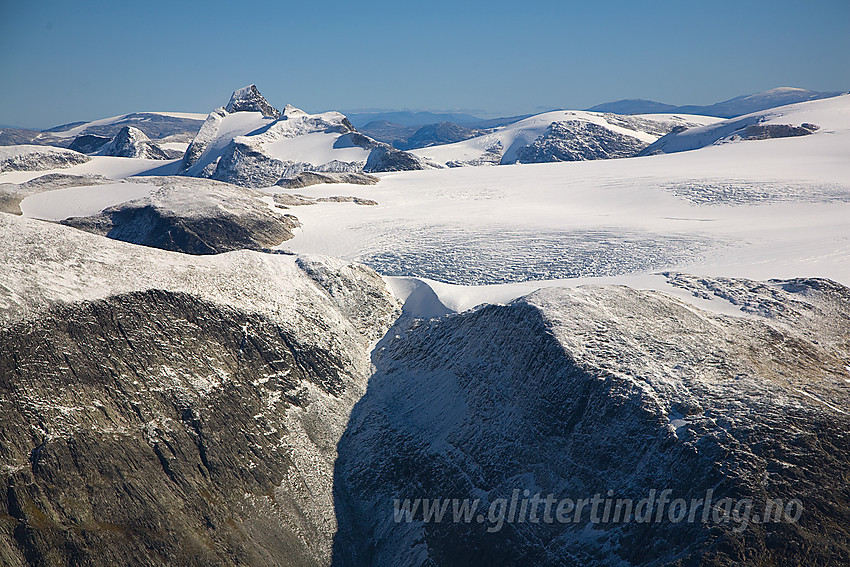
(254, 145)
(153, 416)
(590, 390)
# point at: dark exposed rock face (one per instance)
(249, 99)
(88, 143)
(767, 131)
(17, 136)
(157, 426)
(286, 200)
(577, 140)
(308, 178)
(245, 165)
(155, 472)
(176, 412)
(133, 143)
(193, 216)
(577, 392)
(261, 153)
(386, 158)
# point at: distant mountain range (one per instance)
(409, 117)
(731, 108)
(402, 129)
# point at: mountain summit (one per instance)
(251, 143)
(249, 99)
(133, 143)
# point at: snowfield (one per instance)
(759, 209)
(756, 209)
(81, 201)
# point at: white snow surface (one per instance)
(761, 209)
(82, 201)
(108, 166)
(316, 148)
(44, 263)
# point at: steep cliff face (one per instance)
(157, 407)
(581, 392)
(174, 409)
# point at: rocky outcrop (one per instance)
(18, 136)
(38, 158)
(607, 393)
(286, 200)
(768, 131)
(131, 142)
(193, 216)
(170, 408)
(387, 158)
(206, 134)
(249, 99)
(243, 164)
(560, 135)
(308, 178)
(576, 140)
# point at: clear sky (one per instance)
(68, 60)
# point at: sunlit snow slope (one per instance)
(757, 209)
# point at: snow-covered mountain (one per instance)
(131, 142)
(604, 391)
(561, 135)
(627, 325)
(251, 143)
(821, 117)
(174, 409)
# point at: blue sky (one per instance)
(79, 60)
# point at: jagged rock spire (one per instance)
(249, 99)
